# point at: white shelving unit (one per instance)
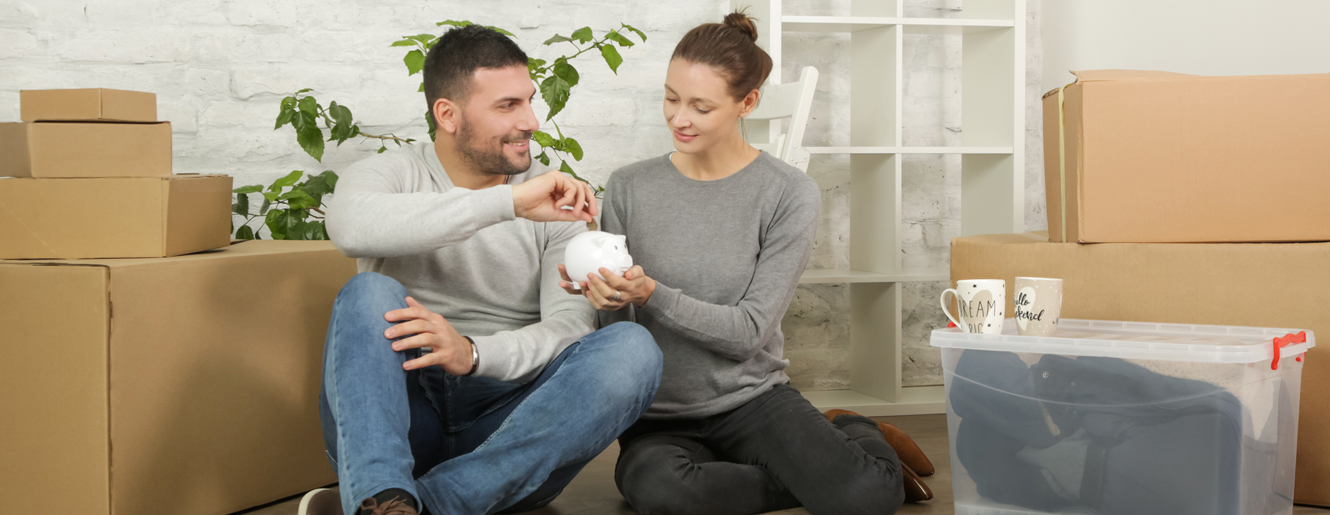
(992, 33)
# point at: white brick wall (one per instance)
(220, 68)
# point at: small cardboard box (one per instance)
(72, 149)
(96, 104)
(1253, 284)
(178, 385)
(113, 218)
(1164, 157)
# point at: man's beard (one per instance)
(489, 162)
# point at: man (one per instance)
(458, 377)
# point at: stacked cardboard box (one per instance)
(1164, 187)
(186, 382)
(1154, 157)
(181, 385)
(89, 176)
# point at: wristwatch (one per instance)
(475, 357)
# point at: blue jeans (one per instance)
(470, 445)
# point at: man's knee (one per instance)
(634, 352)
(370, 293)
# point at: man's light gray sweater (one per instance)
(726, 256)
(464, 255)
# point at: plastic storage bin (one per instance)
(1119, 418)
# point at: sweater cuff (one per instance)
(494, 205)
(492, 357)
(661, 300)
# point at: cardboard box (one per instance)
(97, 104)
(1166, 157)
(113, 218)
(156, 386)
(1261, 285)
(70, 149)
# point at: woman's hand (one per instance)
(567, 283)
(614, 292)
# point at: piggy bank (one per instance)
(586, 253)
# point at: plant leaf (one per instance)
(638, 32)
(275, 219)
(288, 180)
(415, 61)
(245, 232)
(565, 168)
(310, 138)
(241, 207)
(289, 103)
(253, 188)
(566, 72)
(543, 158)
(582, 35)
(500, 31)
(573, 147)
(309, 105)
(556, 39)
(555, 92)
(313, 231)
(306, 90)
(612, 57)
(284, 117)
(266, 204)
(618, 38)
(404, 42)
(454, 23)
(543, 139)
(340, 113)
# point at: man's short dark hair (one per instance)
(457, 54)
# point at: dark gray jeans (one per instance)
(773, 453)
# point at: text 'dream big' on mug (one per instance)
(981, 304)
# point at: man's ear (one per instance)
(447, 116)
(749, 103)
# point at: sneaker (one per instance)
(321, 501)
(371, 506)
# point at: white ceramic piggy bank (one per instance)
(589, 251)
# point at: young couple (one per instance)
(463, 373)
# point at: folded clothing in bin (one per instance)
(1111, 418)
(1096, 433)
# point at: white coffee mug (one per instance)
(1038, 304)
(982, 303)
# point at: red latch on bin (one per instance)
(1286, 340)
(951, 325)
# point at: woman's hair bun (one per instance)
(740, 21)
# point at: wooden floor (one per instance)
(593, 492)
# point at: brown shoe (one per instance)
(915, 489)
(909, 452)
(396, 507)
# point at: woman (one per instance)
(724, 231)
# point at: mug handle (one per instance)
(943, 301)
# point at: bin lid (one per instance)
(1140, 340)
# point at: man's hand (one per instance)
(450, 349)
(542, 199)
(634, 287)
